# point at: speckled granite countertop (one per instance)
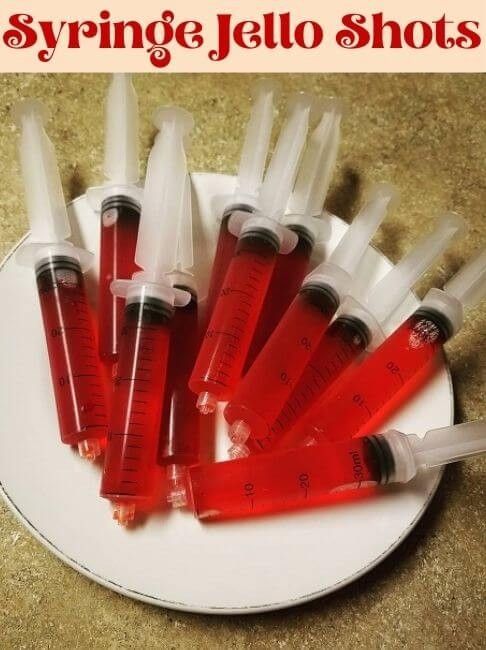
(426, 134)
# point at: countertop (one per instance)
(427, 135)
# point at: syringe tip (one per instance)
(238, 451)
(90, 448)
(176, 488)
(206, 403)
(239, 432)
(124, 513)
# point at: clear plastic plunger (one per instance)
(118, 202)
(399, 366)
(229, 335)
(359, 324)
(269, 382)
(250, 174)
(131, 474)
(76, 375)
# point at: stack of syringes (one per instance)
(302, 362)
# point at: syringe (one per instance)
(228, 337)
(118, 201)
(250, 174)
(131, 471)
(269, 382)
(359, 326)
(311, 476)
(400, 364)
(59, 267)
(304, 217)
(180, 442)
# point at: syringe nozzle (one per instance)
(89, 449)
(206, 403)
(124, 513)
(176, 488)
(238, 451)
(239, 432)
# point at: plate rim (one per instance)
(215, 610)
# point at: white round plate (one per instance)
(173, 560)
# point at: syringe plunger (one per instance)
(257, 140)
(121, 131)
(468, 285)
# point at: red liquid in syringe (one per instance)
(388, 371)
(131, 473)
(288, 275)
(269, 382)
(227, 340)
(75, 370)
(342, 344)
(120, 217)
(179, 432)
(285, 480)
(225, 249)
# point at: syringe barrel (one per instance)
(268, 383)
(71, 344)
(180, 440)
(288, 275)
(120, 216)
(288, 480)
(225, 346)
(225, 249)
(131, 473)
(396, 369)
(341, 346)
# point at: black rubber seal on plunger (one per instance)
(119, 201)
(323, 289)
(265, 235)
(55, 263)
(359, 326)
(442, 322)
(238, 207)
(303, 233)
(384, 456)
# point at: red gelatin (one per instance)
(179, 433)
(225, 250)
(388, 372)
(227, 340)
(341, 345)
(71, 344)
(131, 472)
(288, 275)
(269, 382)
(120, 217)
(285, 480)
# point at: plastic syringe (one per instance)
(180, 442)
(131, 471)
(359, 326)
(313, 476)
(304, 217)
(399, 366)
(118, 202)
(248, 183)
(269, 382)
(59, 266)
(260, 238)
